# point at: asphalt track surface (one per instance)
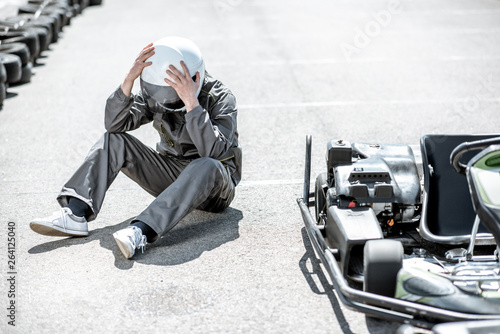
(373, 71)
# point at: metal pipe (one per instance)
(475, 227)
(380, 306)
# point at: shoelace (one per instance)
(139, 239)
(64, 213)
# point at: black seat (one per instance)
(447, 212)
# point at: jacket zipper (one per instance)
(165, 135)
(227, 158)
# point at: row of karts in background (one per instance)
(24, 37)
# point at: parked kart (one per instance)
(406, 240)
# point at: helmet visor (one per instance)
(161, 99)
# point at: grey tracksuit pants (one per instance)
(179, 185)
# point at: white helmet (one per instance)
(159, 95)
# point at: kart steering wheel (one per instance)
(465, 147)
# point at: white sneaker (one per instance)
(128, 239)
(62, 223)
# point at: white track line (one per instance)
(354, 103)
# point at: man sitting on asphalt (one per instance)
(197, 163)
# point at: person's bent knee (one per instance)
(209, 162)
(113, 141)
(207, 171)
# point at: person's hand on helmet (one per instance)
(184, 85)
(139, 64)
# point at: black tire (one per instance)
(48, 31)
(56, 24)
(66, 12)
(3, 73)
(319, 195)
(49, 21)
(95, 2)
(3, 93)
(52, 21)
(50, 11)
(58, 3)
(42, 34)
(84, 4)
(57, 19)
(12, 65)
(18, 49)
(382, 260)
(77, 8)
(28, 9)
(26, 73)
(28, 38)
(46, 22)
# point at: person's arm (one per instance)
(213, 133)
(125, 112)
(184, 86)
(135, 71)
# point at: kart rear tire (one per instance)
(319, 195)
(382, 261)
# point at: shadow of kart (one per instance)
(406, 240)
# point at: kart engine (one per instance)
(383, 177)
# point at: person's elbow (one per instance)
(110, 125)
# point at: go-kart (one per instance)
(406, 239)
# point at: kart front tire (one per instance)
(382, 260)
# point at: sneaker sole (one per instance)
(124, 249)
(54, 231)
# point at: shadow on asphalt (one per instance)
(10, 95)
(373, 325)
(326, 288)
(197, 233)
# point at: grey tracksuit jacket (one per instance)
(209, 130)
